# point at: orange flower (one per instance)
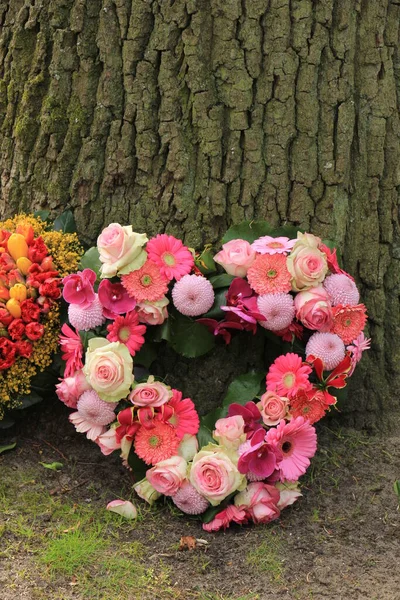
(269, 274)
(349, 321)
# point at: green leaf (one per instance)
(247, 230)
(189, 338)
(137, 465)
(205, 262)
(221, 281)
(289, 231)
(65, 223)
(396, 487)
(204, 435)
(332, 246)
(30, 400)
(6, 422)
(243, 389)
(42, 214)
(211, 512)
(8, 447)
(215, 311)
(146, 355)
(91, 260)
(54, 466)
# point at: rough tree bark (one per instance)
(188, 115)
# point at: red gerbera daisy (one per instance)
(156, 444)
(146, 283)
(287, 375)
(126, 329)
(349, 321)
(184, 418)
(269, 274)
(172, 258)
(311, 406)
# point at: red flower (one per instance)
(24, 348)
(128, 426)
(34, 331)
(37, 250)
(30, 311)
(8, 351)
(16, 329)
(5, 317)
(51, 289)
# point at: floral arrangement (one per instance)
(242, 462)
(33, 261)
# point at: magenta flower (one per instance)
(221, 327)
(78, 288)
(296, 442)
(257, 456)
(127, 330)
(242, 301)
(251, 416)
(114, 299)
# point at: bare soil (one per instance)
(340, 541)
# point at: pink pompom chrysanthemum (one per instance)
(329, 347)
(297, 443)
(278, 310)
(273, 245)
(93, 415)
(193, 295)
(287, 375)
(156, 443)
(146, 283)
(349, 321)
(341, 290)
(269, 274)
(189, 501)
(72, 350)
(185, 419)
(85, 318)
(170, 255)
(128, 331)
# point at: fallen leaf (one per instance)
(187, 542)
(54, 466)
(8, 447)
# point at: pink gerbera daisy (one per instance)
(273, 245)
(287, 375)
(146, 283)
(156, 444)
(184, 418)
(128, 331)
(172, 258)
(297, 442)
(269, 275)
(359, 345)
(349, 321)
(72, 350)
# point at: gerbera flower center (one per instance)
(154, 441)
(146, 280)
(275, 245)
(124, 334)
(169, 259)
(289, 380)
(286, 447)
(272, 273)
(347, 322)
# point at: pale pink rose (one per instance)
(259, 500)
(236, 257)
(108, 369)
(229, 432)
(121, 250)
(70, 388)
(153, 313)
(289, 492)
(152, 393)
(313, 309)
(273, 408)
(167, 476)
(146, 492)
(214, 473)
(107, 442)
(306, 263)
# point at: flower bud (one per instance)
(23, 265)
(18, 292)
(14, 308)
(17, 246)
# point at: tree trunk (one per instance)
(186, 116)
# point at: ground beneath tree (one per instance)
(340, 541)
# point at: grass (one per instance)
(266, 558)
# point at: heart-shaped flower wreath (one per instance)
(242, 462)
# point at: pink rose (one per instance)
(289, 492)
(313, 309)
(153, 393)
(259, 500)
(107, 441)
(229, 432)
(167, 476)
(121, 250)
(108, 369)
(71, 388)
(236, 257)
(306, 263)
(153, 313)
(273, 408)
(214, 473)
(78, 288)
